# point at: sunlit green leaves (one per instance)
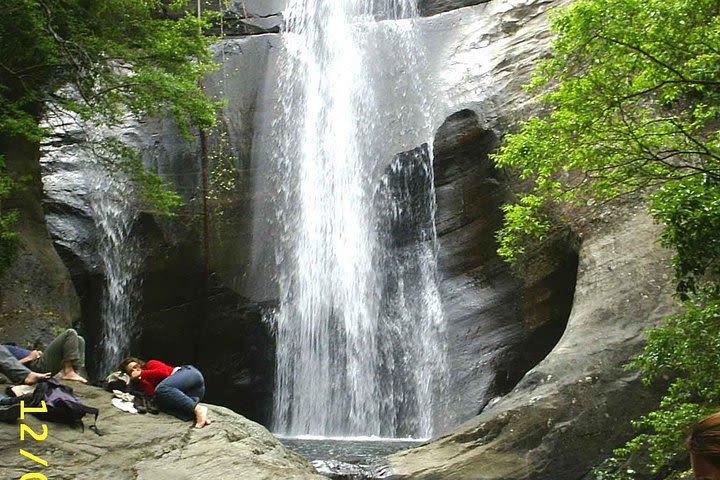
(633, 90)
(115, 54)
(690, 210)
(686, 349)
(522, 220)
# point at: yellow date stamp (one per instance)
(26, 433)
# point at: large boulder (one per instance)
(151, 447)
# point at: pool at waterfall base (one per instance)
(349, 458)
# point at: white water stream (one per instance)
(86, 181)
(360, 329)
(114, 213)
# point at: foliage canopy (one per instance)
(632, 90)
(101, 59)
(114, 54)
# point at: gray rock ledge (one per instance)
(151, 447)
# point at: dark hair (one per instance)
(704, 438)
(123, 365)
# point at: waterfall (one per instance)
(80, 173)
(359, 326)
(114, 212)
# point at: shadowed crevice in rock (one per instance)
(433, 7)
(221, 332)
(499, 325)
(463, 149)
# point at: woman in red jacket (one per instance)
(177, 390)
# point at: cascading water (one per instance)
(360, 348)
(105, 195)
(114, 212)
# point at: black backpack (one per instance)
(61, 403)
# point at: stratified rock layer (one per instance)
(433, 7)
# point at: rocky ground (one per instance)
(150, 447)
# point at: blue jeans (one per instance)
(179, 393)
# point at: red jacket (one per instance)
(155, 372)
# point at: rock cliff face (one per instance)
(572, 408)
(191, 311)
(575, 405)
(204, 298)
(500, 325)
(150, 447)
(36, 293)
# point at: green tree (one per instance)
(633, 89)
(100, 59)
(632, 96)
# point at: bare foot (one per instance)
(73, 376)
(201, 416)
(33, 378)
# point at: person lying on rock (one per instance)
(64, 356)
(16, 371)
(177, 390)
(704, 445)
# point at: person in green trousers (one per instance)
(64, 356)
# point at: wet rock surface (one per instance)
(499, 325)
(342, 471)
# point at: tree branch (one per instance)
(643, 52)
